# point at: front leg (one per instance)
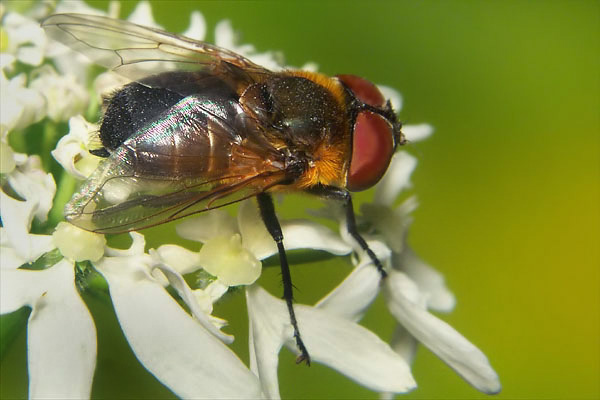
(331, 192)
(267, 212)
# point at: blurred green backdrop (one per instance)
(509, 185)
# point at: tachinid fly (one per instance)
(200, 127)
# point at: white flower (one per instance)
(334, 341)
(107, 82)
(17, 244)
(173, 345)
(415, 133)
(197, 28)
(67, 61)
(142, 15)
(408, 305)
(81, 7)
(246, 241)
(226, 37)
(392, 95)
(411, 286)
(331, 340)
(32, 183)
(392, 223)
(189, 357)
(61, 338)
(77, 244)
(25, 39)
(352, 297)
(21, 106)
(73, 150)
(232, 249)
(412, 133)
(65, 96)
(7, 157)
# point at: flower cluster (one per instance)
(176, 337)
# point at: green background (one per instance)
(508, 185)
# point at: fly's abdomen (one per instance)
(191, 139)
(173, 125)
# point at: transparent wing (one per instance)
(135, 51)
(114, 200)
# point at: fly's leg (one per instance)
(331, 192)
(267, 212)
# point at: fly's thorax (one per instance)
(296, 109)
(306, 112)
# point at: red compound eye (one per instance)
(364, 90)
(372, 150)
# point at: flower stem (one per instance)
(10, 326)
(48, 143)
(64, 191)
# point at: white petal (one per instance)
(17, 289)
(72, 150)
(197, 28)
(208, 296)
(61, 337)
(351, 298)
(77, 6)
(406, 208)
(142, 15)
(268, 331)
(225, 37)
(16, 218)
(70, 63)
(255, 236)
(461, 355)
(33, 184)
(297, 234)
(7, 160)
(10, 258)
(179, 258)
(40, 244)
(186, 294)
(354, 351)
(431, 283)
(396, 178)
(7, 61)
(393, 95)
(216, 290)
(304, 234)
(309, 66)
(389, 223)
(65, 96)
(21, 106)
(12, 110)
(336, 342)
(207, 226)
(25, 36)
(415, 133)
(173, 346)
(61, 340)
